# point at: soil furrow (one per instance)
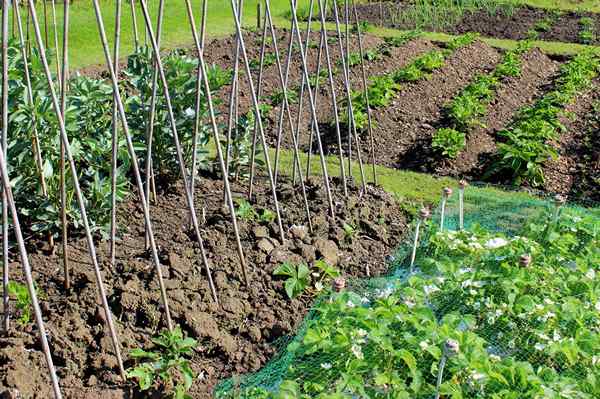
(513, 94)
(408, 124)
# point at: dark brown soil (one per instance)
(235, 337)
(403, 133)
(516, 25)
(512, 95)
(576, 170)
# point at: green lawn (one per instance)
(84, 41)
(572, 5)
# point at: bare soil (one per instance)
(516, 25)
(235, 336)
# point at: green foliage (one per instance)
(245, 211)
(298, 278)
(438, 14)
(462, 41)
(266, 216)
(350, 232)
(277, 96)
(268, 60)
(364, 27)
(431, 61)
(528, 142)
(587, 34)
(23, 301)
(449, 142)
(399, 41)
(523, 331)
(240, 146)
(166, 365)
(372, 55)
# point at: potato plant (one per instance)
(528, 141)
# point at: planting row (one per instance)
(490, 18)
(485, 315)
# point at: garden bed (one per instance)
(517, 24)
(235, 337)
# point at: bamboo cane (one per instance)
(215, 129)
(115, 141)
(313, 112)
(152, 114)
(78, 193)
(365, 92)
(5, 260)
(286, 104)
(259, 118)
(63, 189)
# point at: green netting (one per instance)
(516, 291)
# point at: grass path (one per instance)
(84, 44)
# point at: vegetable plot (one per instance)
(485, 315)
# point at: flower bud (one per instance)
(424, 213)
(447, 191)
(560, 200)
(525, 260)
(451, 347)
(339, 283)
(463, 183)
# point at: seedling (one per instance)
(449, 142)
(245, 211)
(23, 301)
(350, 232)
(167, 365)
(298, 278)
(266, 216)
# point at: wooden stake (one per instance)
(216, 137)
(259, 118)
(136, 39)
(314, 112)
(63, 189)
(78, 193)
(115, 141)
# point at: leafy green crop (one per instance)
(521, 311)
(23, 300)
(245, 211)
(587, 34)
(166, 365)
(449, 142)
(528, 142)
(298, 278)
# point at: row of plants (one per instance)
(544, 25)
(529, 142)
(587, 34)
(382, 89)
(439, 14)
(466, 110)
(485, 315)
(88, 119)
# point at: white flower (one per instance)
(548, 301)
(383, 294)
(556, 337)
(424, 345)
(595, 360)
(495, 243)
(364, 300)
(465, 270)
(475, 245)
(547, 316)
(597, 306)
(350, 304)
(495, 358)
(466, 283)
(357, 351)
(477, 376)
(319, 286)
(430, 289)
(409, 303)
(361, 333)
(539, 347)
(591, 274)
(326, 366)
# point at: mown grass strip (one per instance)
(528, 141)
(548, 47)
